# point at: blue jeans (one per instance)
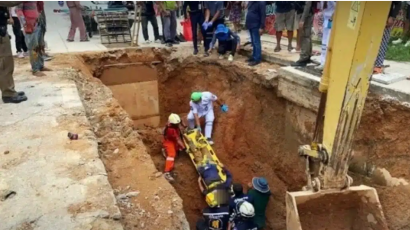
(256, 44)
(33, 42)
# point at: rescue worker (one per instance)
(243, 217)
(172, 143)
(227, 41)
(202, 106)
(260, 193)
(215, 217)
(239, 196)
(8, 93)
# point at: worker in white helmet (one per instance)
(242, 218)
(172, 143)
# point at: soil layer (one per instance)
(252, 139)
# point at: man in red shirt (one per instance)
(172, 143)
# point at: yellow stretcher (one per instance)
(201, 152)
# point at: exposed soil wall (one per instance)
(259, 136)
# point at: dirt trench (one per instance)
(255, 138)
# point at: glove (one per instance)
(224, 108)
(209, 24)
(199, 129)
(205, 25)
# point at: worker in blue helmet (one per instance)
(228, 41)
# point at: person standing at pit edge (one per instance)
(18, 34)
(394, 11)
(196, 16)
(172, 143)
(260, 193)
(202, 106)
(255, 22)
(328, 8)
(214, 15)
(305, 26)
(76, 21)
(148, 15)
(8, 93)
(285, 19)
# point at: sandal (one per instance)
(377, 70)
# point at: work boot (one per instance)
(15, 99)
(168, 177)
(210, 141)
(300, 63)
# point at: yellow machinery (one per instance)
(201, 153)
(354, 44)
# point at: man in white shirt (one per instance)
(202, 106)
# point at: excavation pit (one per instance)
(259, 136)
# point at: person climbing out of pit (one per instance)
(238, 196)
(227, 41)
(215, 216)
(202, 106)
(259, 192)
(209, 174)
(242, 218)
(172, 143)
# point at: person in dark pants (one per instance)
(18, 34)
(305, 26)
(196, 16)
(8, 93)
(148, 15)
(214, 15)
(215, 216)
(227, 41)
(255, 22)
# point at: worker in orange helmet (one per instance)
(172, 143)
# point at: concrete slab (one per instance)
(58, 183)
(388, 78)
(140, 99)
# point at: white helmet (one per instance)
(174, 119)
(245, 209)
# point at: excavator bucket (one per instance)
(356, 208)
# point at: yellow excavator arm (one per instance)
(353, 47)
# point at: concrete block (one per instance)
(118, 75)
(150, 121)
(140, 99)
(388, 78)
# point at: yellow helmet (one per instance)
(210, 200)
(174, 119)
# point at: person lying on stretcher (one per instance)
(210, 175)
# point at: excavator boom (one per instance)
(354, 44)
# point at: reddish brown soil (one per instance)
(253, 138)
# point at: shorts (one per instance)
(297, 19)
(285, 21)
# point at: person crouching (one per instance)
(172, 143)
(227, 40)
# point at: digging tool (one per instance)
(356, 35)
